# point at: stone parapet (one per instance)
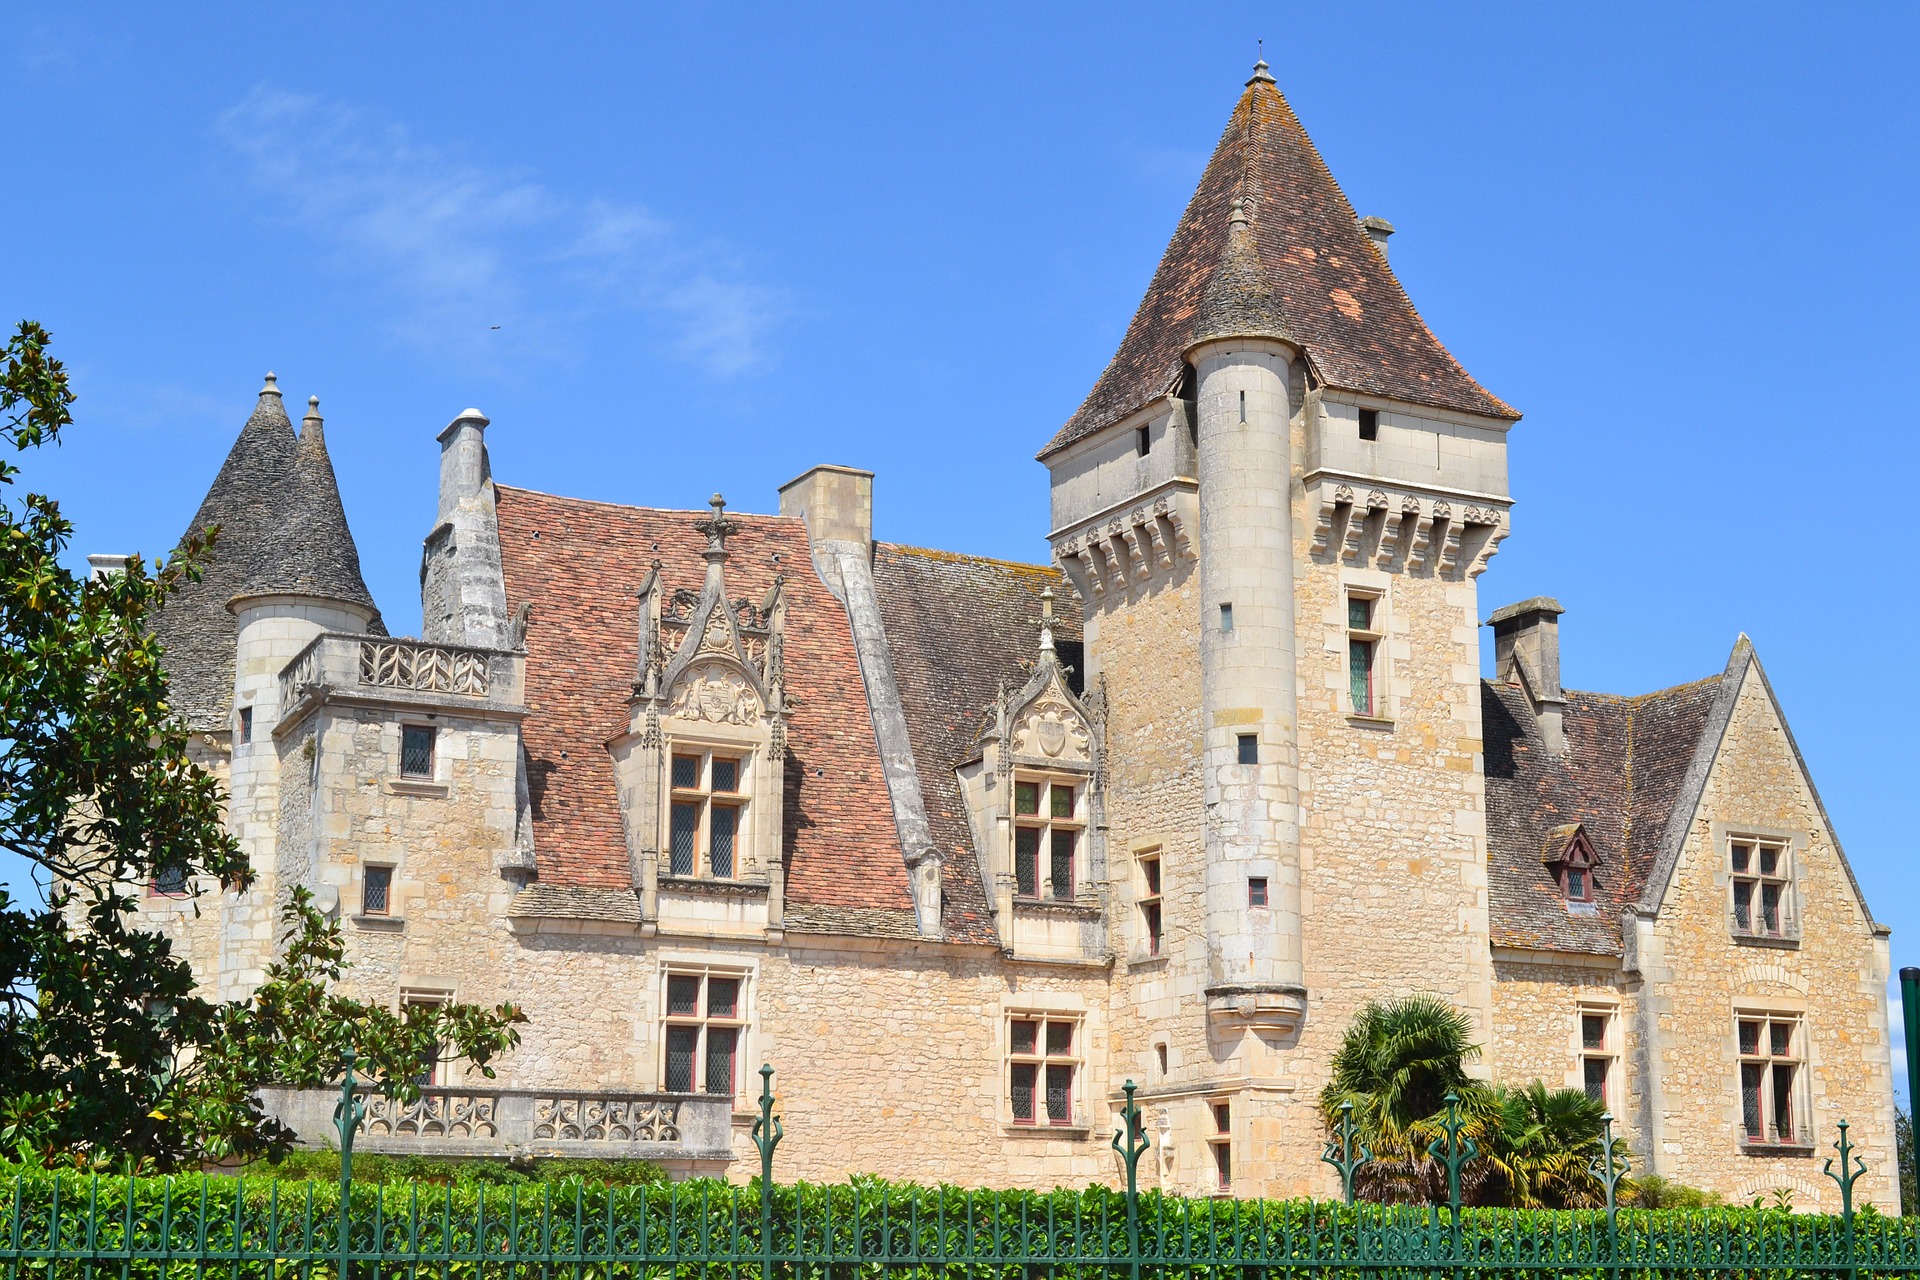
(465, 679)
(684, 1133)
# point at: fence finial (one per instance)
(1340, 1153)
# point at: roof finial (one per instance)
(1260, 71)
(717, 528)
(313, 413)
(1046, 621)
(272, 388)
(1239, 218)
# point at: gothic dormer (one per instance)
(1032, 795)
(701, 765)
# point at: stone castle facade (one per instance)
(959, 845)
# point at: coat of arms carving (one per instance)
(715, 694)
(1051, 728)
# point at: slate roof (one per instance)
(579, 564)
(1330, 288)
(959, 628)
(1620, 778)
(282, 528)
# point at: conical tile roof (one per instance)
(281, 525)
(1307, 271)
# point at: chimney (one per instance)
(463, 461)
(1527, 635)
(1378, 230)
(836, 503)
(105, 566)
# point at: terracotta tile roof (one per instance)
(1619, 779)
(1337, 296)
(958, 628)
(580, 563)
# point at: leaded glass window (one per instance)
(416, 751)
(376, 891)
(1363, 647)
(1043, 1068)
(1762, 888)
(1049, 824)
(705, 1025)
(707, 815)
(1771, 1058)
(1598, 1052)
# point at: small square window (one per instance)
(1026, 798)
(416, 751)
(1226, 619)
(1249, 748)
(1369, 424)
(246, 724)
(1257, 891)
(376, 892)
(170, 882)
(1359, 613)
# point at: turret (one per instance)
(1249, 730)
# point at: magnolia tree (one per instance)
(107, 1053)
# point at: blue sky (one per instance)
(724, 244)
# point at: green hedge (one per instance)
(250, 1226)
(377, 1170)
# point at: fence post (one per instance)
(1456, 1152)
(1610, 1168)
(766, 1132)
(1910, 1010)
(346, 1118)
(1851, 1167)
(1339, 1152)
(1131, 1141)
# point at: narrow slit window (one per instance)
(1151, 920)
(1369, 424)
(1243, 406)
(1142, 441)
(1226, 619)
(1249, 744)
(1256, 891)
(1220, 1145)
(1363, 648)
(246, 724)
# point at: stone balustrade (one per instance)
(684, 1133)
(377, 664)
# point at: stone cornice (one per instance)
(1372, 523)
(1129, 544)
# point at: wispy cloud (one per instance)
(461, 247)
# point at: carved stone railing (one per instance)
(378, 664)
(683, 1132)
(398, 664)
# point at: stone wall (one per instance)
(1699, 975)
(1538, 1000)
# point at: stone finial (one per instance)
(717, 528)
(1260, 73)
(1239, 216)
(313, 413)
(1046, 620)
(272, 387)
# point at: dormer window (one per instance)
(1048, 825)
(707, 815)
(1570, 860)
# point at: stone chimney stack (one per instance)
(836, 503)
(1527, 635)
(1378, 230)
(463, 593)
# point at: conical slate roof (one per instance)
(1308, 272)
(282, 528)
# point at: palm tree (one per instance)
(1396, 1065)
(1543, 1149)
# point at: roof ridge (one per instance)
(1651, 693)
(630, 506)
(911, 549)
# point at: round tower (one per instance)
(1249, 729)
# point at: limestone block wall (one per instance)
(1698, 975)
(1393, 842)
(1538, 1000)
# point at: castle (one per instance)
(960, 845)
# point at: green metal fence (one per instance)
(869, 1230)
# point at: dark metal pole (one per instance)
(1910, 1005)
